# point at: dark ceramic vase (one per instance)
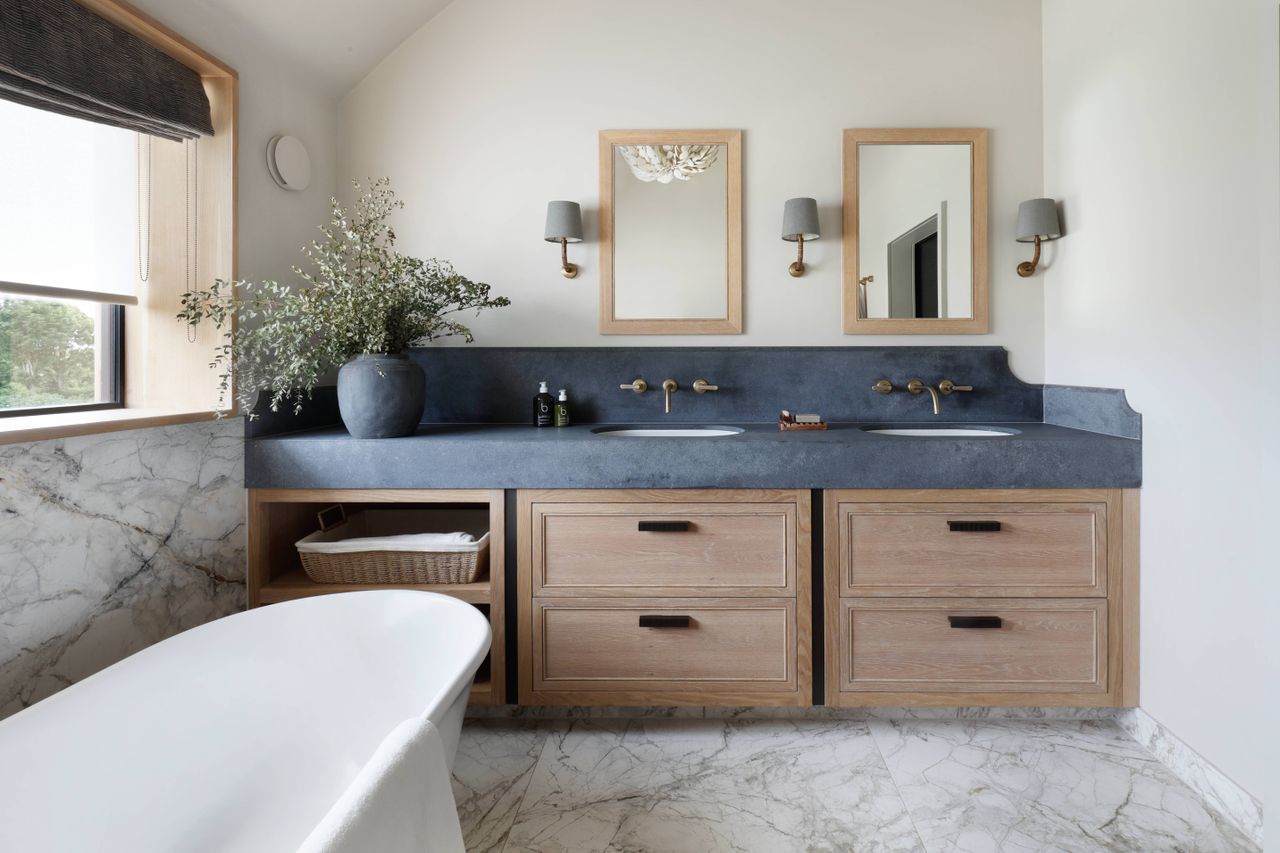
(381, 396)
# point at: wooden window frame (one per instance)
(167, 379)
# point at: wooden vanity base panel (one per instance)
(1057, 567)
(728, 568)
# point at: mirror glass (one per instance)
(670, 252)
(670, 240)
(915, 231)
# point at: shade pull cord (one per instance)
(144, 209)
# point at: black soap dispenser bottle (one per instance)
(543, 407)
(562, 409)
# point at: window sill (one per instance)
(44, 427)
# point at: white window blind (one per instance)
(68, 207)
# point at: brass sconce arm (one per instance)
(1028, 268)
(797, 268)
(569, 270)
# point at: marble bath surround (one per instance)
(760, 784)
(112, 542)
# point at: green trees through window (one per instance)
(48, 355)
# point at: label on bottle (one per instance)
(542, 411)
(562, 414)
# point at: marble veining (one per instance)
(1198, 773)
(677, 784)
(1015, 786)
(112, 542)
(711, 785)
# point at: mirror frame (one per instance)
(731, 324)
(976, 139)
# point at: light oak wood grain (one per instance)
(1042, 549)
(693, 678)
(1044, 645)
(1117, 684)
(728, 549)
(600, 642)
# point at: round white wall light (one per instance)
(288, 162)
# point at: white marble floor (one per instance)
(673, 785)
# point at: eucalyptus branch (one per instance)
(360, 296)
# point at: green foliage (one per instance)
(362, 297)
(47, 354)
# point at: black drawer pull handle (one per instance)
(975, 621)
(664, 527)
(664, 621)
(974, 526)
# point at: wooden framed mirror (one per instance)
(670, 232)
(915, 231)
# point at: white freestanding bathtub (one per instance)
(238, 735)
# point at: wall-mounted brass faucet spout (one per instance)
(915, 386)
(669, 387)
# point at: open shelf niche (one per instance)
(278, 518)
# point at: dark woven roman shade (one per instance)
(57, 55)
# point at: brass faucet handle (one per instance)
(946, 386)
(639, 386)
(702, 386)
(884, 386)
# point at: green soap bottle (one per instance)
(542, 406)
(562, 409)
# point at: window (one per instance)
(68, 224)
(93, 97)
(57, 355)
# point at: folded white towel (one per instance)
(401, 801)
(403, 542)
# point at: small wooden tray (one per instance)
(786, 425)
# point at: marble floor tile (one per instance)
(495, 760)
(976, 786)
(706, 785)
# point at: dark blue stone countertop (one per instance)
(514, 456)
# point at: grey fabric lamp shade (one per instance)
(800, 219)
(564, 222)
(1038, 218)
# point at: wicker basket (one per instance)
(327, 557)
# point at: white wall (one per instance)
(1161, 141)
(493, 108)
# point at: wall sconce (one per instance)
(1037, 220)
(799, 223)
(564, 226)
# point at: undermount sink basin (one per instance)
(668, 432)
(942, 432)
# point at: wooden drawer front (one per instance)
(910, 645)
(601, 646)
(603, 549)
(1052, 550)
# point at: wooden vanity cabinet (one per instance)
(982, 597)
(664, 597)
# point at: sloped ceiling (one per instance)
(337, 42)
